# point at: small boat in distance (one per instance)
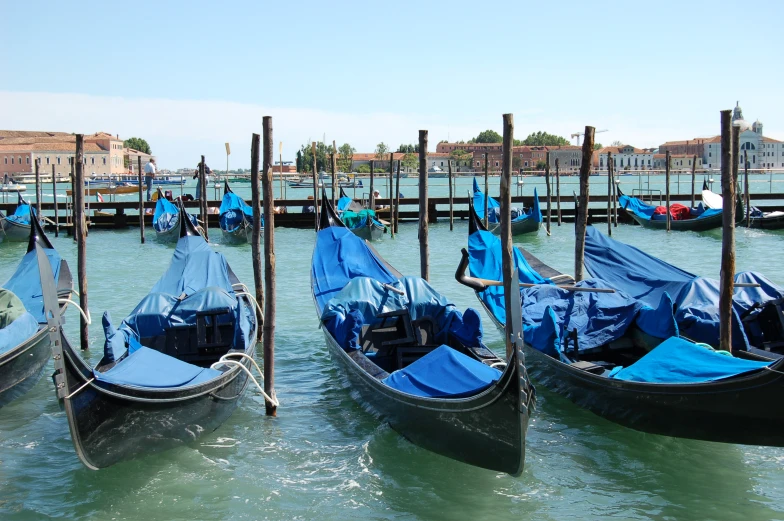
(166, 219)
(16, 227)
(757, 218)
(522, 221)
(360, 220)
(414, 359)
(236, 218)
(682, 218)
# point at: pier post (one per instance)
(451, 202)
(667, 188)
(693, 174)
(726, 285)
(391, 200)
(582, 210)
(615, 196)
(315, 187)
(280, 161)
(558, 190)
(203, 196)
(269, 268)
(255, 241)
(549, 195)
(38, 190)
(397, 196)
(609, 193)
(513, 325)
(424, 250)
(141, 198)
(333, 165)
(747, 197)
(54, 198)
(81, 237)
(372, 199)
(487, 192)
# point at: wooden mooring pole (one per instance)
(391, 186)
(667, 188)
(487, 192)
(582, 210)
(549, 195)
(80, 234)
(397, 196)
(609, 194)
(424, 251)
(269, 271)
(54, 198)
(315, 188)
(141, 198)
(203, 197)
(334, 172)
(614, 196)
(255, 244)
(558, 190)
(728, 231)
(372, 198)
(451, 202)
(513, 325)
(693, 175)
(38, 190)
(747, 195)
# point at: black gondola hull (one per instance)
(693, 225)
(111, 423)
(370, 232)
(22, 366)
(522, 227)
(775, 222)
(487, 430)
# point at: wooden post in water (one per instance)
(614, 196)
(726, 284)
(549, 195)
(316, 207)
(487, 192)
(203, 196)
(558, 190)
(582, 210)
(391, 200)
(609, 194)
(269, 271)
(451, 202)
(397, 196)
(513, 325)
(280, 162)
(54, 198)
(372, 184)
(38, 190)
(693, 174)
(747, 197)
(255, 243)
(81, 237)
(424, 251)
(141, 199)
(333, 164)
(667, 188)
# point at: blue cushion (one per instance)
(147, 367)
(443, 373)
(17, 332)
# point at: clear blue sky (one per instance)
(366, 72)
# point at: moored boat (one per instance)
(236, 218)
(16, 227)
(361, 221)
(682, 218)
(522, 221)
(166, 220)
(757, 218)
(414, 359)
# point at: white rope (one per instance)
(88, 382)
(240, 285)
(68, 301)
(498, 364)
(252, 299)
(772, 370)
(226, 361)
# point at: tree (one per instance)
(543, 139)
(408, 149)
(322, 157)
(616, 143)
(345, 157)
(488, 136)
(597, 146)
(137, 143)
(381, 151)
(461, 156)
(410, 161)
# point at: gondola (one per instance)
(16, 227)
(413, 359)
(236, 218)
(669, 386)
(173, 370)
(697, 219)
(25, 338)
(757, 325)
(757, 218)
(166, 220)
(361, 221)
(522, 221)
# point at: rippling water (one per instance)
(325, 457)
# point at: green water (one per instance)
(325, 457)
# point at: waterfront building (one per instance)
(624, 157)
(678, 162)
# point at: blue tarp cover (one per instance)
(678, 361)
(233, 210)
(645, 211)
(443, 373)
(21, 214)
(647, 278)
(25, 283)
(165, 216)
(17, 332)
(147, 367)
(493, 207)
(194, 266)
(549, 313)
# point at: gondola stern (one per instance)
(37, 234)
(328, 215)
(186, 226)
(475, 224)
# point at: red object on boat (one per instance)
(678, 212)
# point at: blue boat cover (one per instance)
(233, 210)
(194, 266)
(493, 208)
(696, 298)
(443, 373)
(18, 331)
(678, 361)
(25, 283)
(646, 211)
(340, 256)
(165, 216)
(147, 367)
(21, 214)
(549, 313)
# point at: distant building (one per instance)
(569, 157)
(678, 162)
(624, 157)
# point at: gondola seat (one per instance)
(443, 372)
(146, 367)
